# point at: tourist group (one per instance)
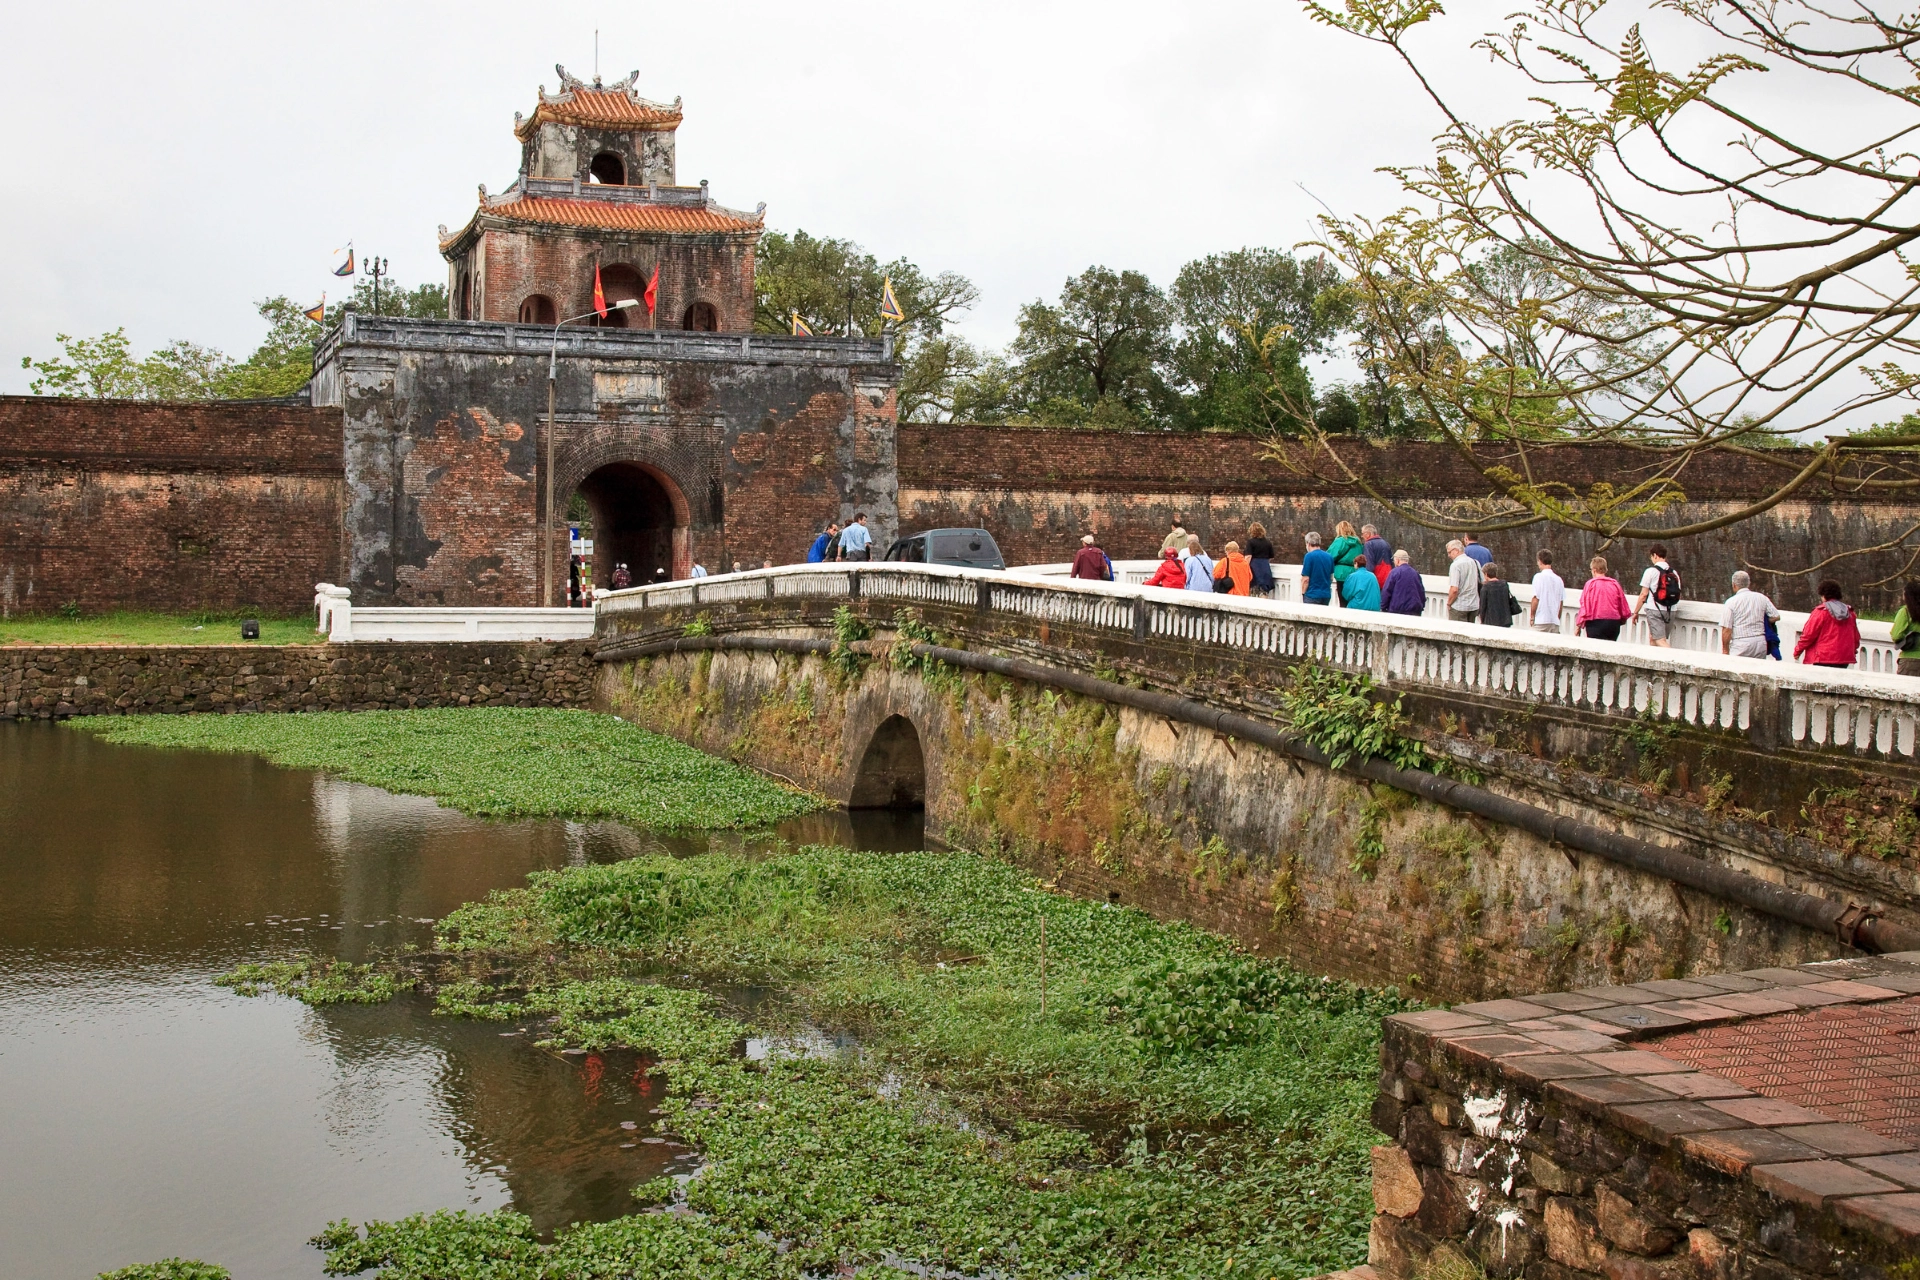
(1359, 569)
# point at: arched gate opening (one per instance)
(635, 517)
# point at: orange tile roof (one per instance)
(602, 215)
(600, 107)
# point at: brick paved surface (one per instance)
(1851, 1062)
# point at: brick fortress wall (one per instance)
(1039, 489)
(118, 504)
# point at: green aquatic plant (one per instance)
(316, 980)
(1178, 1106)
(169, 1269)
(1337, 714)
(495, 762)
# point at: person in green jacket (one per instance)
(1345, 543)
(1906, 632)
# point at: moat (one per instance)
(150, 1113)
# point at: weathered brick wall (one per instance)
(715, 269)
(118, 504)
(53, 681)
(744, 459)
(1552, 1138)
(1038, 490)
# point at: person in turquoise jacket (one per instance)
(1361, 590)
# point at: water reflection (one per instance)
(149, 1113)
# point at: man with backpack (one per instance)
(1091, 562)
(1661, 585)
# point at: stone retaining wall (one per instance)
(55, 681)
(1571, 1136)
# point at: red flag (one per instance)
(653, 289)
(599, 294)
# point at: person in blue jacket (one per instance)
(1316, 573)
(822, 547)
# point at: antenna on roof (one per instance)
(596, 55)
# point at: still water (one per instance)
(146, 1113)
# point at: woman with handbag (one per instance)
(1233, 575)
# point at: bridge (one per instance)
(1609, 811)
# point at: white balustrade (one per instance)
(1696, 623)
(1867, 710)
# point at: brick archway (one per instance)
(641, 514)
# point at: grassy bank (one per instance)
(502, 762)
(1144, 1101)
(154, 628)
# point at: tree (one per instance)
(1229, 305)
(1094, 358)
(824, 280)
(105, 367)
(1666, 254)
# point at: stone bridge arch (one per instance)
(892, 771)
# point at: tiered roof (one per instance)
(615, 106)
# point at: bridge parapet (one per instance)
(1773, 705)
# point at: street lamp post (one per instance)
(553, 364)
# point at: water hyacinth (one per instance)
(493, 762)
(1180, 1109)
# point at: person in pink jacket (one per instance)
(1831, 637)
(1603, 605)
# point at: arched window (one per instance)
(538, 309)
(702, 318)
(608, 168)
(620, 282)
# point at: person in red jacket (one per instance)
(1831, 637)
(1169, 572)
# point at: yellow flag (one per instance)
(801, 329)
(890, 305)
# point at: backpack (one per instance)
(1667, 594)
(1108, 561)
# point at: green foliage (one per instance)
(315, 980)
(848, 630)
(820, 277)
(700, 626)
(106, 368)
(958, 1136)
(1227, 305)
(1168, 1009)
(1334, 712)
(493, 761)
(68, 625)
(1369, 842)
(169, 1269)
(1094, 358)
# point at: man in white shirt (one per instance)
(1463, 584)
(855, 542)
(1549, 597)
(1743, 625)
(1199, 565)
(699, 570)
(1660, 616)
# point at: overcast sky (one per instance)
(178, 162)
